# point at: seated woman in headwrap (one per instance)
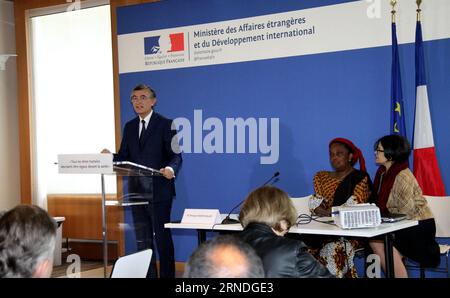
(343, 186)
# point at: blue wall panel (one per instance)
(316, 97)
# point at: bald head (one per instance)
(229, 261)
(224, 257)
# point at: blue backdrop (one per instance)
(316, 97)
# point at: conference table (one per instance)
(315, 227)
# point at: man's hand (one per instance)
(167, 172)
(105, 151)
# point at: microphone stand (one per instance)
(228, 220)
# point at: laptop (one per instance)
(132, 266)
(392, 217)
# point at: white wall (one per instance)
(9, 131)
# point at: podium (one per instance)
(123, 169)
(103, 164)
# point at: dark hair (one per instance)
(396, 147)
(145, 87)
(27, 236)
(224, 256)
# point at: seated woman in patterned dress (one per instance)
(343, 186)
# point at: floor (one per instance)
(89, 269)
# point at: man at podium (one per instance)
(147, 140)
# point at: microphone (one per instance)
(227, 220)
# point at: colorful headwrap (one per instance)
(357, 155)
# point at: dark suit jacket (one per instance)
(282, 256)
(156, 152)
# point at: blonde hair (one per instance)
(269, 205)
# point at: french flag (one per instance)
(426, 168)
(177, 40)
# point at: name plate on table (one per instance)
(201, 216)
(100, 163)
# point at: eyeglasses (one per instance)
(378, 150)
(142, 98)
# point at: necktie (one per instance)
(141, 136)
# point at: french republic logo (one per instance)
(164, 44)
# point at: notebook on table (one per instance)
(392, 217)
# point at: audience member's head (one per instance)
(27, 242)
(224, 256)
(271, 206)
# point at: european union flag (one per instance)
(397, 114)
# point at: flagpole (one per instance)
(418, 2)
(393, 3)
